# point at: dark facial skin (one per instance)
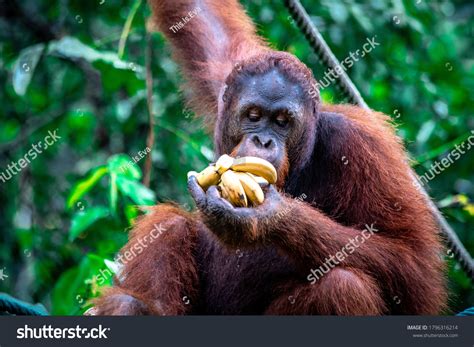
(268, 110)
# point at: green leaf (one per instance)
(74, 288)
(25, 66)
(446, 147)
(113, 192)
(84, 219)
(122, 164)
(85, 185)
(127, 26)
(469, 208)
(131, 213)
(65, 297)
(72, 48)
(136, 191)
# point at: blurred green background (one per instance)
(79, 67)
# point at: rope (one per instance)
(344, 82)
(10, 305)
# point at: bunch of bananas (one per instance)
(239, 180)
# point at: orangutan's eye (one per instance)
(282, 119)
(254, 114)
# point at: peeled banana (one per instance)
(240, 181)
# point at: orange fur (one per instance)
(347, 161)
